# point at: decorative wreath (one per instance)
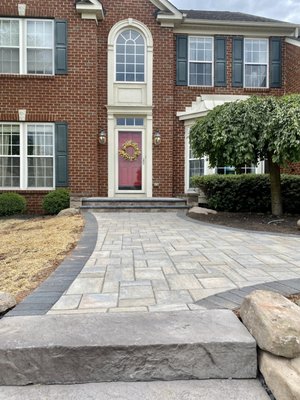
(124, 153)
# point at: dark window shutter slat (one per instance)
(276, 62)
(61, 154)
(61, 47)
(238, 62)
(182, 60)
(220, 61)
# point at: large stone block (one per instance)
(281, 375)
(274, 321)
(68, 349)
(7, 301)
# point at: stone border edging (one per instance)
(41, 300)
(233, 299)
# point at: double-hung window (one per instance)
(200, 61)
(26, 155)
(256, 63)
(26, 46)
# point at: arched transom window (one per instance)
(130, 57)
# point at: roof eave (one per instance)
(91, 11)
(190, 21)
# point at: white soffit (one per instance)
(90, 10)
(168, 15)
(206, 103)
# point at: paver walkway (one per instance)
(164, 262)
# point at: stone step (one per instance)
(74, 349)
(134, 207)
(130, 203)
(180, 390)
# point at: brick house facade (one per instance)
(64, 80)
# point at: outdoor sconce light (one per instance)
(102, 137)
(157, 138)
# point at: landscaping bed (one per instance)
(252, 221)
(32, 248)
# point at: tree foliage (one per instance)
(246, 132)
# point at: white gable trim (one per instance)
(204, 104)
(94, 10)
(168, 16)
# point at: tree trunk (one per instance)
(276, 198)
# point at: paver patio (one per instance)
(165, 262)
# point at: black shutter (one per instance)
(220, 61)
(238, 62)
(61, 47)
(61, 154)
(182, 60)
(275, 62)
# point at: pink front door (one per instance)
(130, 159)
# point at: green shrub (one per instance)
(248, 193)
(56, 201)
(11, 204)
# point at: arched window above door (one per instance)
(130, 56)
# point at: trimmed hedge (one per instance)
(248, 193)
(11, 204)
(56, 201)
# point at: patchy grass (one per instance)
(30, 249)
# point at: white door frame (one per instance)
(112, 144)
(129, 129)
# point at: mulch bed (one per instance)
(256, 222)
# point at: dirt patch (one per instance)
(255, 222)
(30, 249)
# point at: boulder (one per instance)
(274, 321)
(298, 224)
(7, 301)
(68, 212)
(281, 375)
(202, 210)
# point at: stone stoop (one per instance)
(105, 204)
(79, 349)
(179, 390)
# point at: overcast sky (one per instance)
(284, 10)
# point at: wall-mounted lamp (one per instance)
(102, 137)
(157, 138)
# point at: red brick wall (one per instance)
(71, 98)
(80, 97)
(184, 96)
(163, 87)
(292, 86)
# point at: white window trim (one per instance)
(202, 62)
(24, 157)
(145, 57)
(23, 46)
(267, 64)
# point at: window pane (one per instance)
(9, 155)
(200, 74)
(9, 171)
(201, 49)
(40, 172)
(256, 76)
(256, 51)
(9, 61)
(40, 47)
(130, 57)
(9, 33)
(40, 34)
(40, 150)
(39, 61)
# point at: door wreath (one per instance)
(127, 156)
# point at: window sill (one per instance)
(27, 76)
(27, 191)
